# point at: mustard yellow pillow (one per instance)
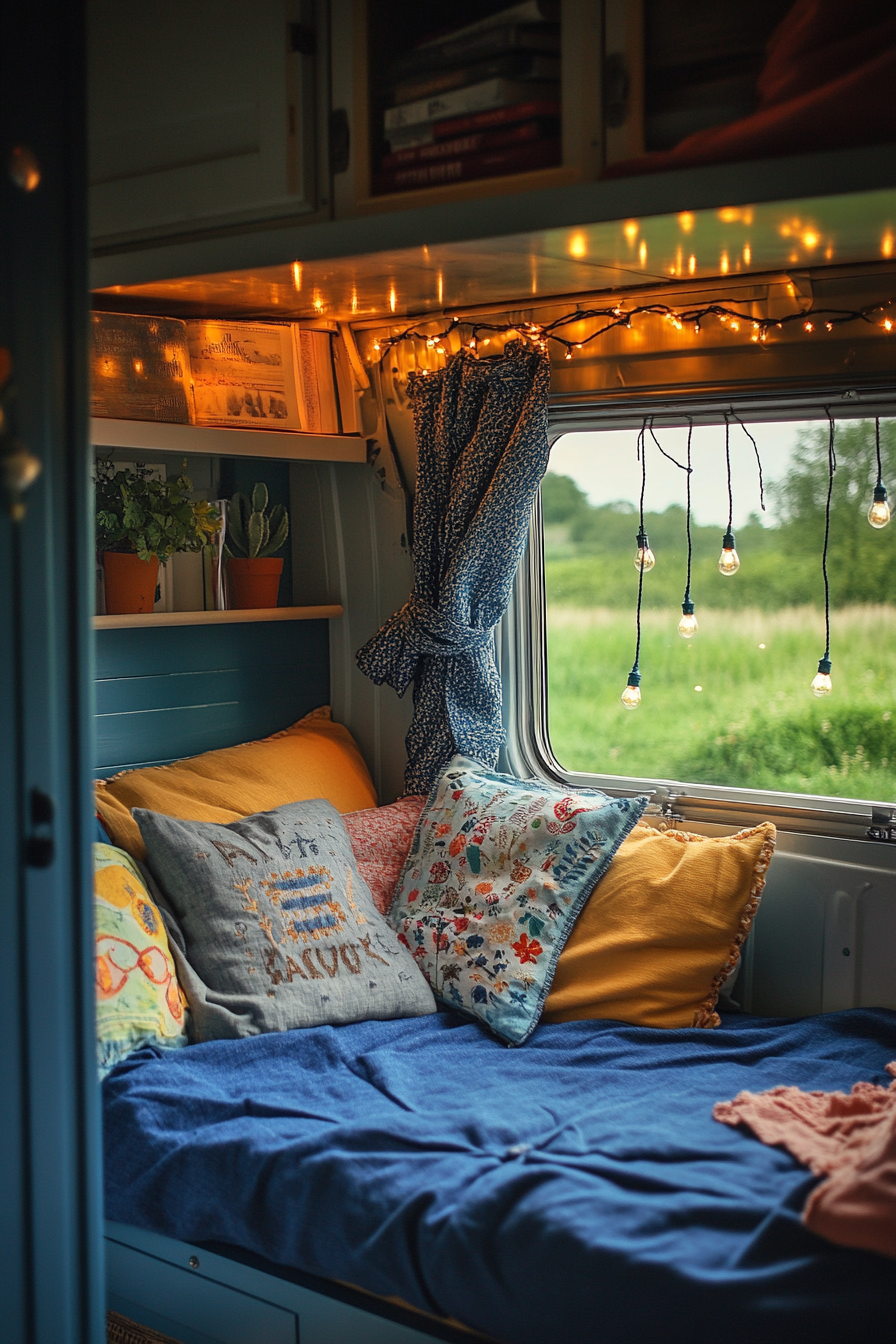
(315, 758)
(662, 929)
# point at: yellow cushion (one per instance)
(315, 758)
(662, 929)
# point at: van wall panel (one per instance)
(176, 691)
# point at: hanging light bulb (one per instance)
(821, 682)
(631, 696)
(729, 561)
(687, 626)
(879, 513)
(644, 557)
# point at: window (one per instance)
(730, 708)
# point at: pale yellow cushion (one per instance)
(315, 758)
(662, 929)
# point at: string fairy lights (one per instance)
(813, 322)
(879, 512)
(821, 682)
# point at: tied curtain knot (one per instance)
(418, 630)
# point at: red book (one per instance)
(471, 144)
(518, 158)
(413, 136)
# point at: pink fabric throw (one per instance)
(849, 1139)
(380, 839)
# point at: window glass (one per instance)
(732, 705)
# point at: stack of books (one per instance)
(483, 101)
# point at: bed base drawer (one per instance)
(199, 1297)
(191, 1308)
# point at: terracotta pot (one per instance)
(254, 583)
(130, 583)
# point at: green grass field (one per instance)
(754, 723)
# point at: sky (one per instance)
(604, 465)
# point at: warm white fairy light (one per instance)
(607, 319)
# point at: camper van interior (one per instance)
(448, 671)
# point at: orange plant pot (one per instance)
(130, 583)
(254, 583)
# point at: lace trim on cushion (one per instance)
(706, 1016)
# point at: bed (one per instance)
(576, 1188)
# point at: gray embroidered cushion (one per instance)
(276, 922)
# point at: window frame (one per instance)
(523, 647)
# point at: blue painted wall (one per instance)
(175, 691)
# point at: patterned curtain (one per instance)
(482, 444)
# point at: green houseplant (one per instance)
(140, 522)
(253, 535)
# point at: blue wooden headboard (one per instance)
(174, 691)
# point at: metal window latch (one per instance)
(883, 825)
(663, 803)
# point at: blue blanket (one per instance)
(575, 1189)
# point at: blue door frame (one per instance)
(51, 1278)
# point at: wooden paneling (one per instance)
(171, 692)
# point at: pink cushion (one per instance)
(381, 838)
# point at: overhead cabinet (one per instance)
(487, 99)
(201, 115)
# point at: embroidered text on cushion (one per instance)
(381, 838)
(138, 1000)
(315, 758)
(663, 929)
(277, 923)
(497, 873)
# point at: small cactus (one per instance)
(252, 531)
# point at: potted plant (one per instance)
(141, 521)
(253, 535)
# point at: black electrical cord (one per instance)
(758, 458)
(642, 453)
(673, 460)
(728, 463)
(832, 467)
(687, 590)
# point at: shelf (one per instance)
(158, 618)
(152, 436)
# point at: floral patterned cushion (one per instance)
(138, 999)
(497, 874)
(381, 838)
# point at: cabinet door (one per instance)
(201, 114)
(50, 1249)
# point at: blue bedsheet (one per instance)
(575, 1189)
